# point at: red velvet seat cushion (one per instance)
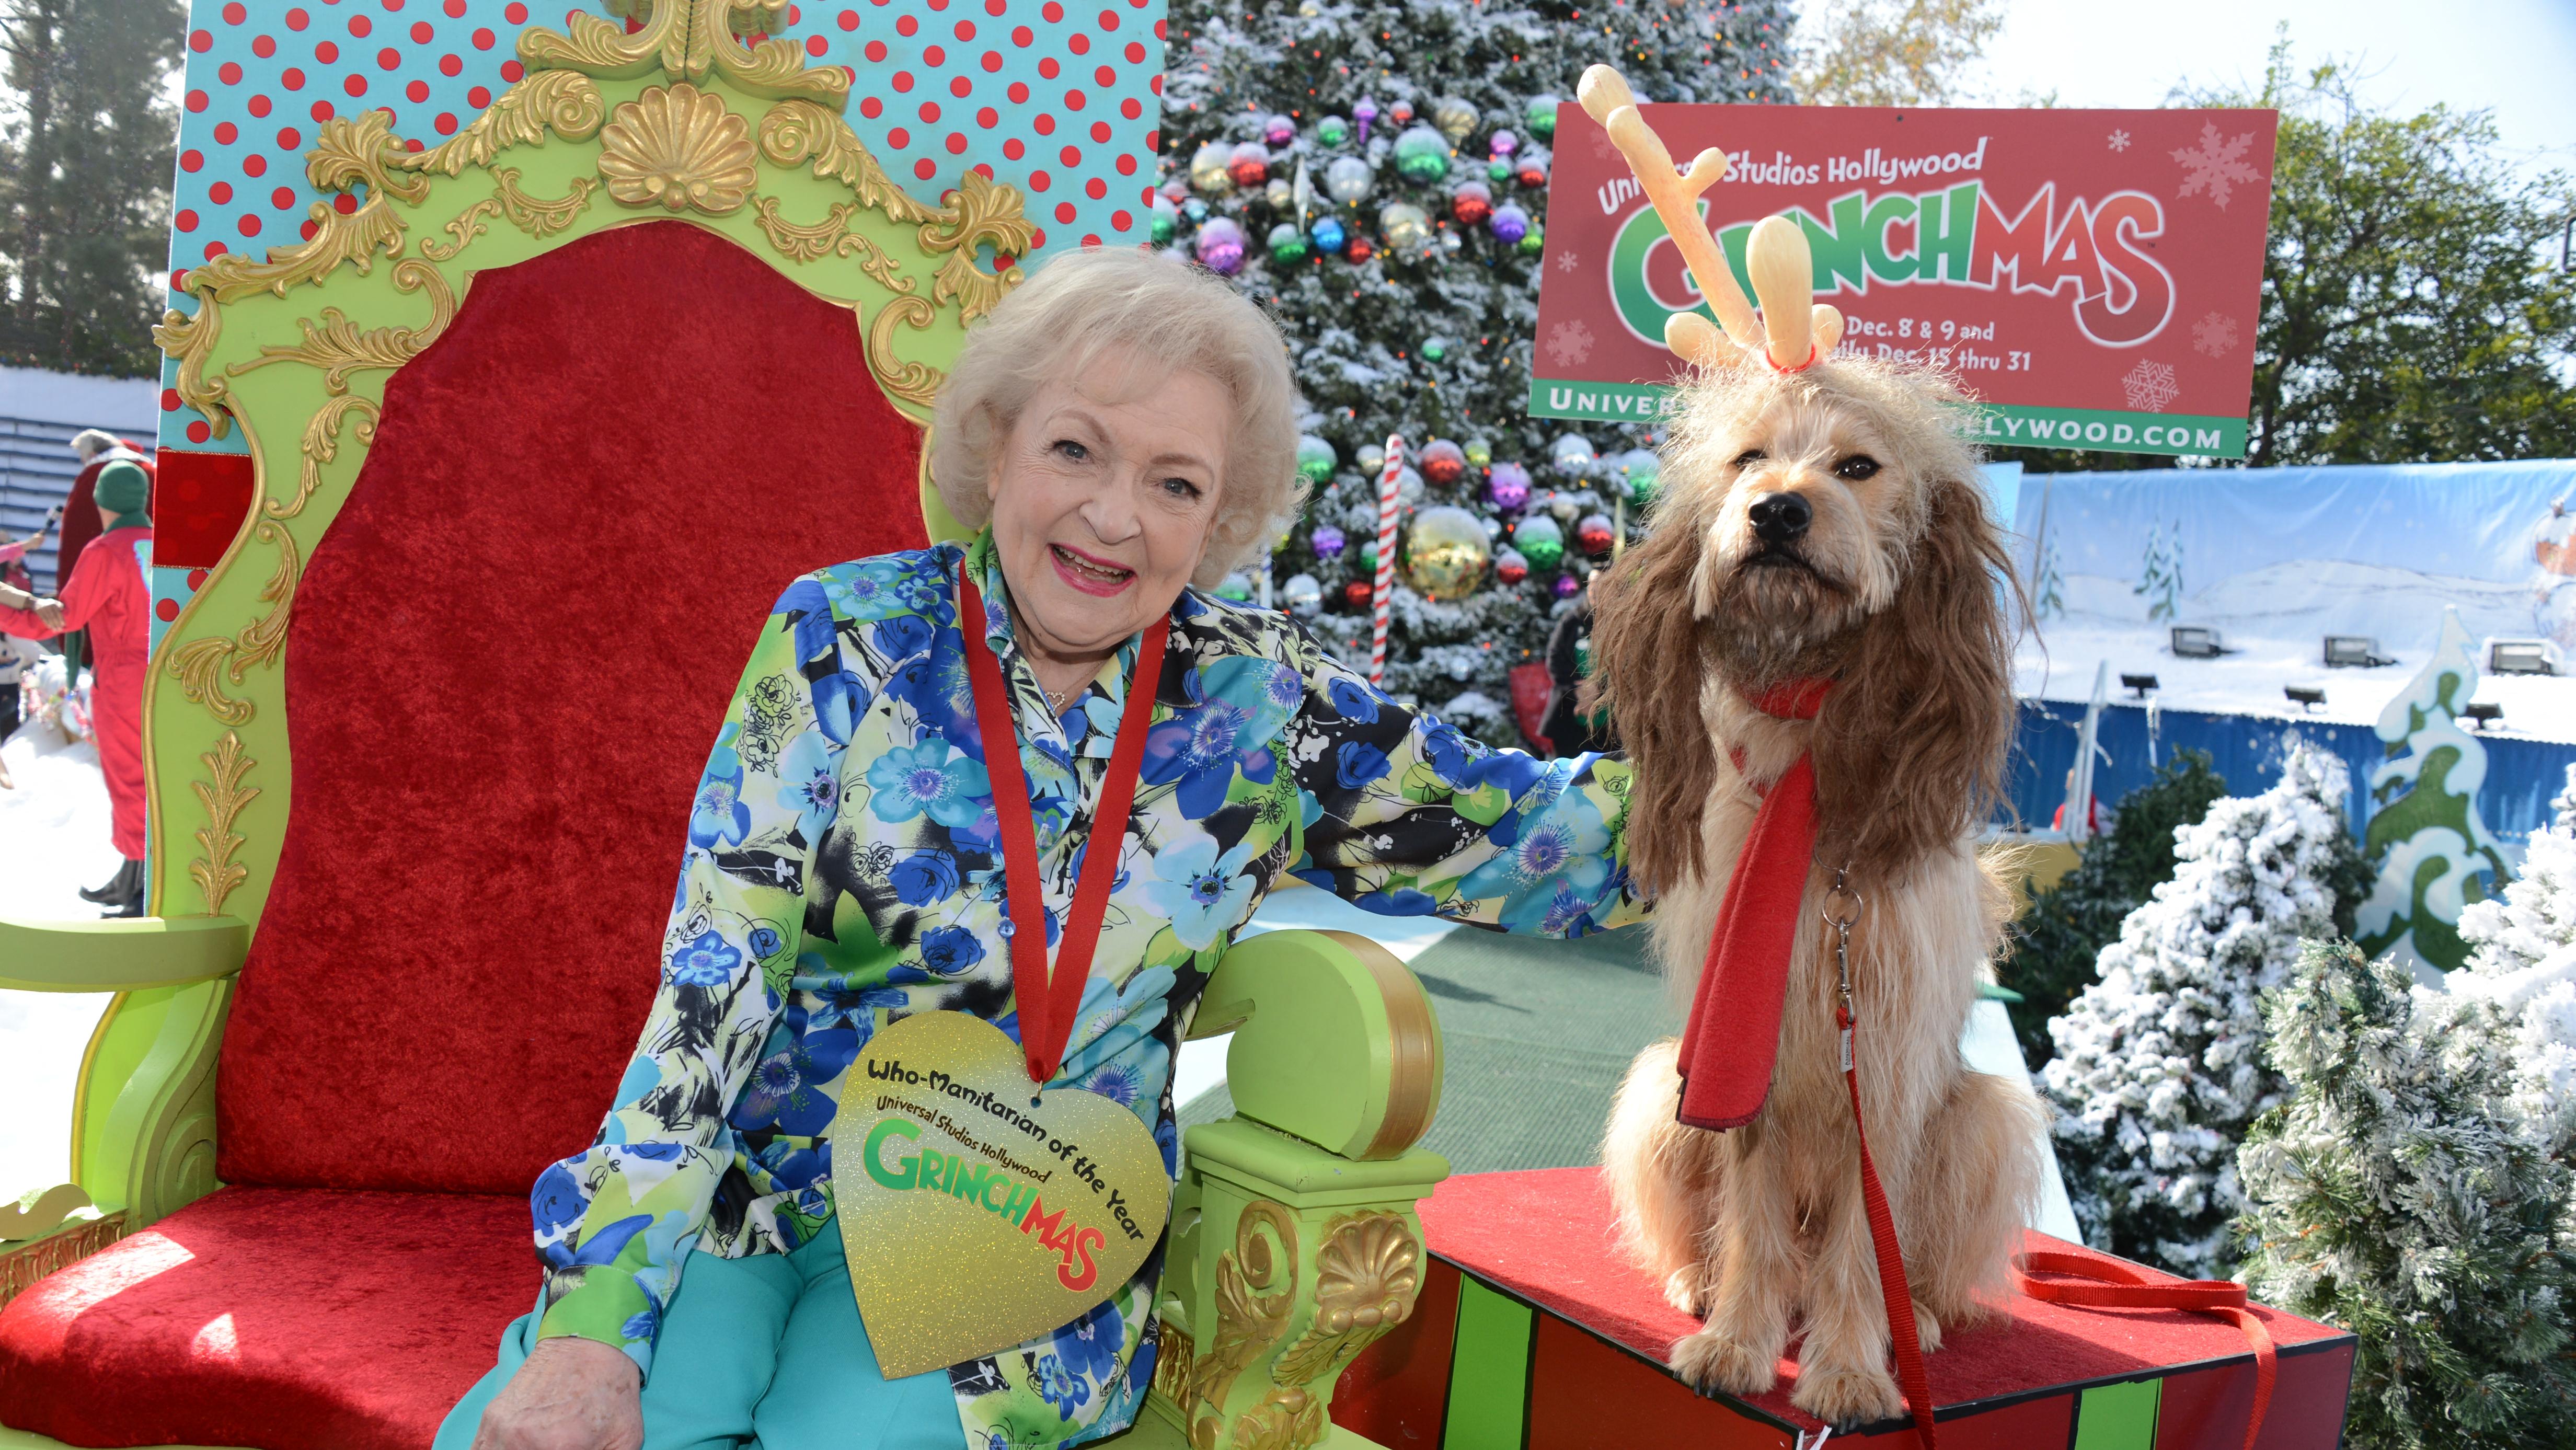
(284, 1318)
(507, 659)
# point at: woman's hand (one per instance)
(48, 610)
(571, 1394)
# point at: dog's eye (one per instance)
(1748, 458)
(1856, 467)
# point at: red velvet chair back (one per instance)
(506, 662)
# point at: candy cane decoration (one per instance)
(1385, 554)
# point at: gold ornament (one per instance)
(1406, 227)
(1455, 118)
(1446, 554)
(1209, 173)
(679, 147)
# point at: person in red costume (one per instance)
(97, 449)
(105, 593)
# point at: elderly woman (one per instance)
(1124, 430)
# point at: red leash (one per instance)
(1892, 1286)
(2111, 1284)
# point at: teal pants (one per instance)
(762, 1353)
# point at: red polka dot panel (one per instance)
(1005, 73)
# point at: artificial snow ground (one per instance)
(2248, 681)
(53, 841)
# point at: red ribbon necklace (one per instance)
(1048, 1001)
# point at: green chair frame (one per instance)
(1294, 1238)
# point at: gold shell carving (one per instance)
(680, 147)
(1367, 1275)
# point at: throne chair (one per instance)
(537, 422)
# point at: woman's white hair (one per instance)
(1166, 317)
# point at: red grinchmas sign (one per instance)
(2092, 276)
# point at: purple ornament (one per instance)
(1505, 143)
(1567, 586)
(1509, 487)
(1329, 542)
(1362, 114)
(1278, 130)
(1220, 246)
(1508, 223)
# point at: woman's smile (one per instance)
(1089, 573)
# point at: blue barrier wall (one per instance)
(2522, 774)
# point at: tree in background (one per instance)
(85, 165)
(2432, 851)
(2412, 307)
(2058, 938)
(2401, 1194)
(2159, 1065)
(1404, 269)
(1892, 52)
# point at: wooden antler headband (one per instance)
(1790, 334)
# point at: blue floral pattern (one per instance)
(843, 870)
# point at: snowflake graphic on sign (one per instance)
(2215, 164)
(2214, 335)
(1565, 261)
(1571, 342)
(2119, 140)
(2151, 386)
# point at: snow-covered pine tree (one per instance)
(2522, 957)
(2160, 573)
(2401, 1194)
(1410, 306)
(2048, 590)
(2159, 1064)
(2426, 839)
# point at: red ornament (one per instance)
(1361, 249)
(1249, 174)
(1471, 203)
(1401, 113)
(1358, 592)
(1594, 535)
(1510, 567)
(1444, 462)
(1532, 171)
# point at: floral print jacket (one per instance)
(843, 870)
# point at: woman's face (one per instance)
(1102, 504)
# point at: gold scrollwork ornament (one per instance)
(216, 872)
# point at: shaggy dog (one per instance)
(1823, 523)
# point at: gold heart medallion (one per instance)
(977, 1212)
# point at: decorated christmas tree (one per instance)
(2159, 1065)
(1375, 175)
(2402, 1194)
(2426, 839)
(2522, 957)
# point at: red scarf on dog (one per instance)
(1734, 1033)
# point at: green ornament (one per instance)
(1498, 169)
(1163, 227)
(1540, 540)
(1422, 155)
(1368, 556)
(1539, 116)
(1532, 243)
(1433, 349)
(1235, 587)
(1334, 130)
(1316, 459)
(1480, 454)
(1287, 244)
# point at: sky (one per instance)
(2517, 57)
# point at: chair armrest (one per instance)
(1334, 1042)
(120, 955)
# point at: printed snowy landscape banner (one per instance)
(2092, 276)
(2291, 555)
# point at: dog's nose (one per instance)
(1780, 518)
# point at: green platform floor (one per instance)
(1537, 1034)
